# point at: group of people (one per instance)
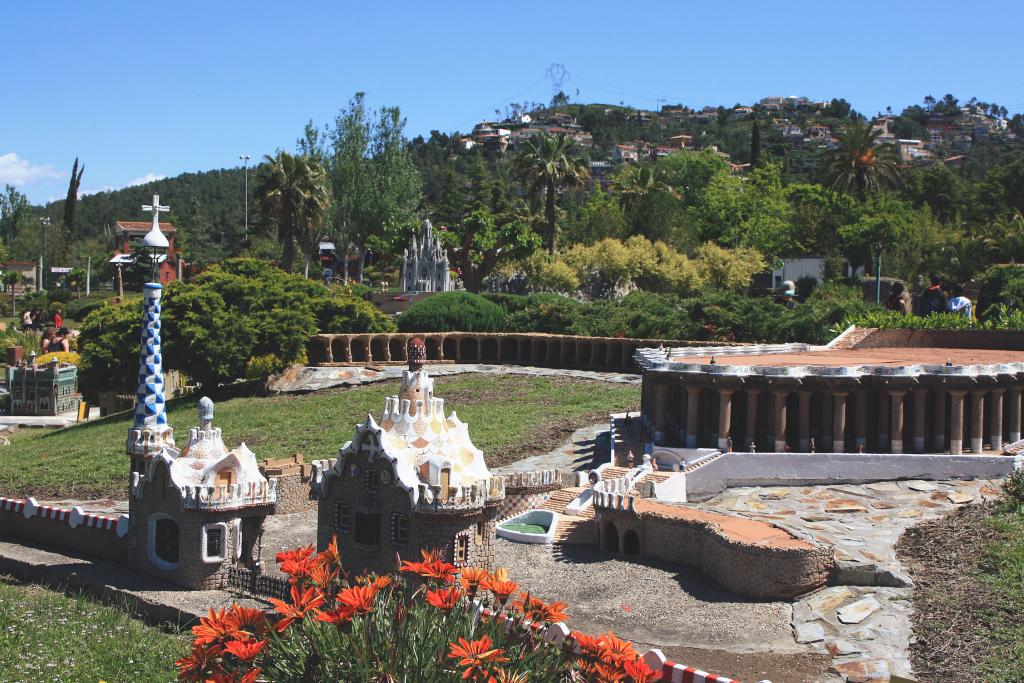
(937, 298)
(34, 320)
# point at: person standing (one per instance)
(58, 319)
(26, 320)
(958, 303)
(933, 300)
(899, 299)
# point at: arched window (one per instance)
(164, 541)
(630, 543)
(611, 538)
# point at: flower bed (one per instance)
(429, 622)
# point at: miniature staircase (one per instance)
(614, 472)
(572, 529)
(562, 497)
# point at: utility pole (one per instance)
(88, 274)
(245, 163)
(45, 220)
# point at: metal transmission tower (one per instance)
(558, 75)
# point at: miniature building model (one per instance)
(128, 232)
(425, 264)
(50, 389)
(196, 511)
(412, 481)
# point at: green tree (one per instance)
(750, 212)
(859, 166)
(633, 184)
(885, 222)
(71, 202)
(755, 144)
(599, 216)
(545, 167)
(375, 184)
(13, 213)
(293, 196)
(108, 342)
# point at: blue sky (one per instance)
(140, 89)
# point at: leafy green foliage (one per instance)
(1004, 319)
(452, 312)
(109, 342)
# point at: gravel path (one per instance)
(647, 602)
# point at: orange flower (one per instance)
(246, 650)
(477, 656)
(341, 615)
(436, 570)
(323, 575)
(358, 599)
(535, 609)
(639, 672)
(248, 621)
(430, 556)
(598, 672)
(471, 579)
(302, 603)
(588, 645)
(502, 589)
(381, 582)
(614, 650)
(297, 563)
(330, 556)
(214, 628)
(198, 662)
(297, 555)
(444, 599)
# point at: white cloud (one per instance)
(19, 172)
(148, 178)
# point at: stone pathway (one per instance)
(584, 450)
(306, 379)
(863, 622)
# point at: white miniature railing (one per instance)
(614, 501)
(74, 517)
(229, 495)
(459, 497)
(522, 480)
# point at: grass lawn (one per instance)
(48, 636)
(510, 417)
(969, 601)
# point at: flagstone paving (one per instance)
(862, 623)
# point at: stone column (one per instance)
(724, 418)
(1013, 397)
(860, 426)
(660, 412)
(956, 422)
(896, 420)
(995, 439)
(803, 425)
(750, 433)
(920, 417)
(882, 421)
(692, 416)
(977, 420)
(779, 419)
(939, 426)
(839, 421)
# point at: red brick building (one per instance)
(127, 233)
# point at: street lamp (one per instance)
(245, 164)
(45, 220)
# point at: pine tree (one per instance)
(71, 201)
(755, 144)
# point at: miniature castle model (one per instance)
(196, 511)
(412, 481)
(425, 264)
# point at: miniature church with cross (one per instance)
(196, 511)
(412, 481)
(425, 264)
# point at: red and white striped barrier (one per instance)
(73, 517)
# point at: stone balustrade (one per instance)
(229, 495)
(459, 498)
(553, 350)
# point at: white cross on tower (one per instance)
(157, 209)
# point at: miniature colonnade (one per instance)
(873, 408)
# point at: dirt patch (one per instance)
(943, 556)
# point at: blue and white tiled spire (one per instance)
(150, 432)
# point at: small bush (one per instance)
(61, 356)
(1013, 490)
(549, 313)
(348, 314)
(53, 307)
(261, 367)
(452, 312)
(61, 295)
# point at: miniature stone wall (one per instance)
(823, 469)
(528, 490)
(292, 476)
(68, 528)
(555, 350)
(762, 571)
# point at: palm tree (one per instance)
(634, 183)
(1006, 236)
(545, 166)
(292, 192)
(859, 165)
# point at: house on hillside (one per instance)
(27, 271)
(625, 153)
(127, 233)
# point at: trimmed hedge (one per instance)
(452, 312)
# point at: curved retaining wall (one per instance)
(71, 528)
(767, 571)
(565, 351)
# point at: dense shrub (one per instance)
(827, 306)
(109, 344)
(1002, 284)
(509, 302)
(61, 295)
(550, 313)
(452, 312)
(60, 356)
(1000, 317)
(77, 309)
(347, 314)
(638, 314)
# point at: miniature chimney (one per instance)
(416, 352)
